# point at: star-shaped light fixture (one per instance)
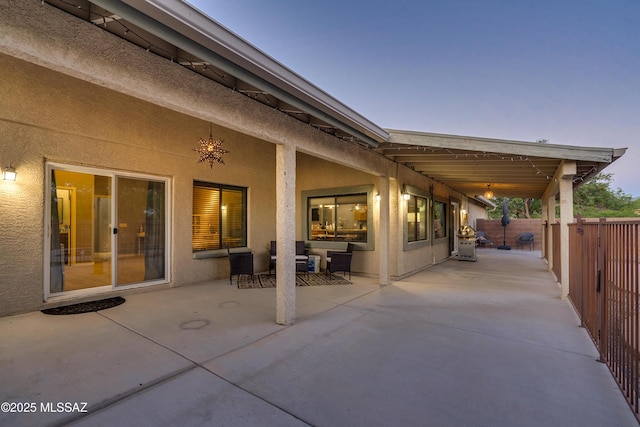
(211, 150)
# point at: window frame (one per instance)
(424, 194)
(208, 252)
(425, 221)
(445, 224)
(306, 213)
(114, 175)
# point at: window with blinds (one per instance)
(219, 216)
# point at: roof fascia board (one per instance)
(501, 146)
(189, 27)
(485, 201)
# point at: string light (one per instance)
(485, 155)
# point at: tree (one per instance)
(518, 208)
(593, 199)
(596, 199)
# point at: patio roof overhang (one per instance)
(180, 33)
(513, 168)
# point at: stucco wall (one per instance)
(46, 116)
(315, 173)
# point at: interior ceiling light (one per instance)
(488, 194)
(211, 149)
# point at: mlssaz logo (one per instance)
(63, 407)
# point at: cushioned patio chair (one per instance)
(240, 263)
(349, 250)
(330, 254)
(340, 261)
(525, 239)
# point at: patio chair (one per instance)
(272, 256)
(340, 261)
(525, 239)
(483, 239)
(240, 263)
(302, 258)
(330, 254)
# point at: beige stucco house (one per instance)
(103, 104)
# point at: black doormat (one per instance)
(85, 307)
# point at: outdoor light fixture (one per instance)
(405, 193)
(378, 197)
(9, 173)
(211, 149)
(488, 194)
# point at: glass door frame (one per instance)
(113, 175)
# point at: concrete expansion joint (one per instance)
(170, 376)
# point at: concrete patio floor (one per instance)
(486, 343)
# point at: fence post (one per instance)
(601, 293)
(580, 236)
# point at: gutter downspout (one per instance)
(160, 30)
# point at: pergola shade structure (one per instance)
(512, 168)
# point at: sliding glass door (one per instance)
(105, 230)
(141, 231)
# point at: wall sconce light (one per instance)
(378, 197)
(488, 194)
(406, 196)
(9, 173)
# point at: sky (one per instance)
(565, 71)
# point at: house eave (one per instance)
(196, 33)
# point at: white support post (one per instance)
(383, 231)
(566, 217)
(543, 231)
(551, 214)
(285, 234)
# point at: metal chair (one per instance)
(524, 239)
(483, 239)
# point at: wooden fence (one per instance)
(493, 227)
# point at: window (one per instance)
(439, 220)
(416, 219)
(339, 217)
(219, 216)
